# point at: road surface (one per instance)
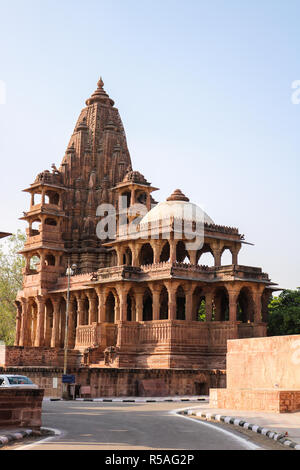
(130, 426)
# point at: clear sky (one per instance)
(204, 91)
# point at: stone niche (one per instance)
(263, 374)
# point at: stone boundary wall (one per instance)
(264, 363)
(274, 401)
(11, 356)
(21, 407)
(110, 382)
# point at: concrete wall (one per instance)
(21, 408)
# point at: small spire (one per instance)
(100, 95)
(178, 195)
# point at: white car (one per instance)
(19, 381)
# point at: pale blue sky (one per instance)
(204, 92)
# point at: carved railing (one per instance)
(177, 332)
(87, 336)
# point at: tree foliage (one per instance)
(11, 265)
(284, 314)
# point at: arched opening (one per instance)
(146, 255)
(110, 308)
(113, 258)
(182, 255)
(130, 306)
(127, 257)
(50, 260)
(147, 306)
(125, 200)
(51, 222)
(34, 264)
(32, 317)
(36, 199)
(245, 307)
(51, 197)
(141, 198)
(221, 304)
(165, 253)
(199, 305)
(73, 323)
(62, 322)
(226, 258)
(180, 303)
(85, 313)
(35, 227)
(49, 322)
(163, 304)
(205, 256)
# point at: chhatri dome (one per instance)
(178, 206)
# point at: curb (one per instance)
(134, 400)
(14, 436)
(9, 437)
(280, 437)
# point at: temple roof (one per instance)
(179, 207)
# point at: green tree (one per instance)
(284, 314)
(11, 265)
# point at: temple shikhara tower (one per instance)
(141, 305)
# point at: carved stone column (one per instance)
(257, 307)
(139, 294)
(123, 305)
(101, 305)
(80, 312)
(155, 302)
(209, 296)
(92, 307)
(39, 338)
(189, 304)
(233, 296)
(217, 256)
(172, 302)
(156, 250)
(24, 322)
(55, 343)
(18, 323)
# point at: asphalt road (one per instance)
(130, 426)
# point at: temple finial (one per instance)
(100, 83)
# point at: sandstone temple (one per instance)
(137, 304)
